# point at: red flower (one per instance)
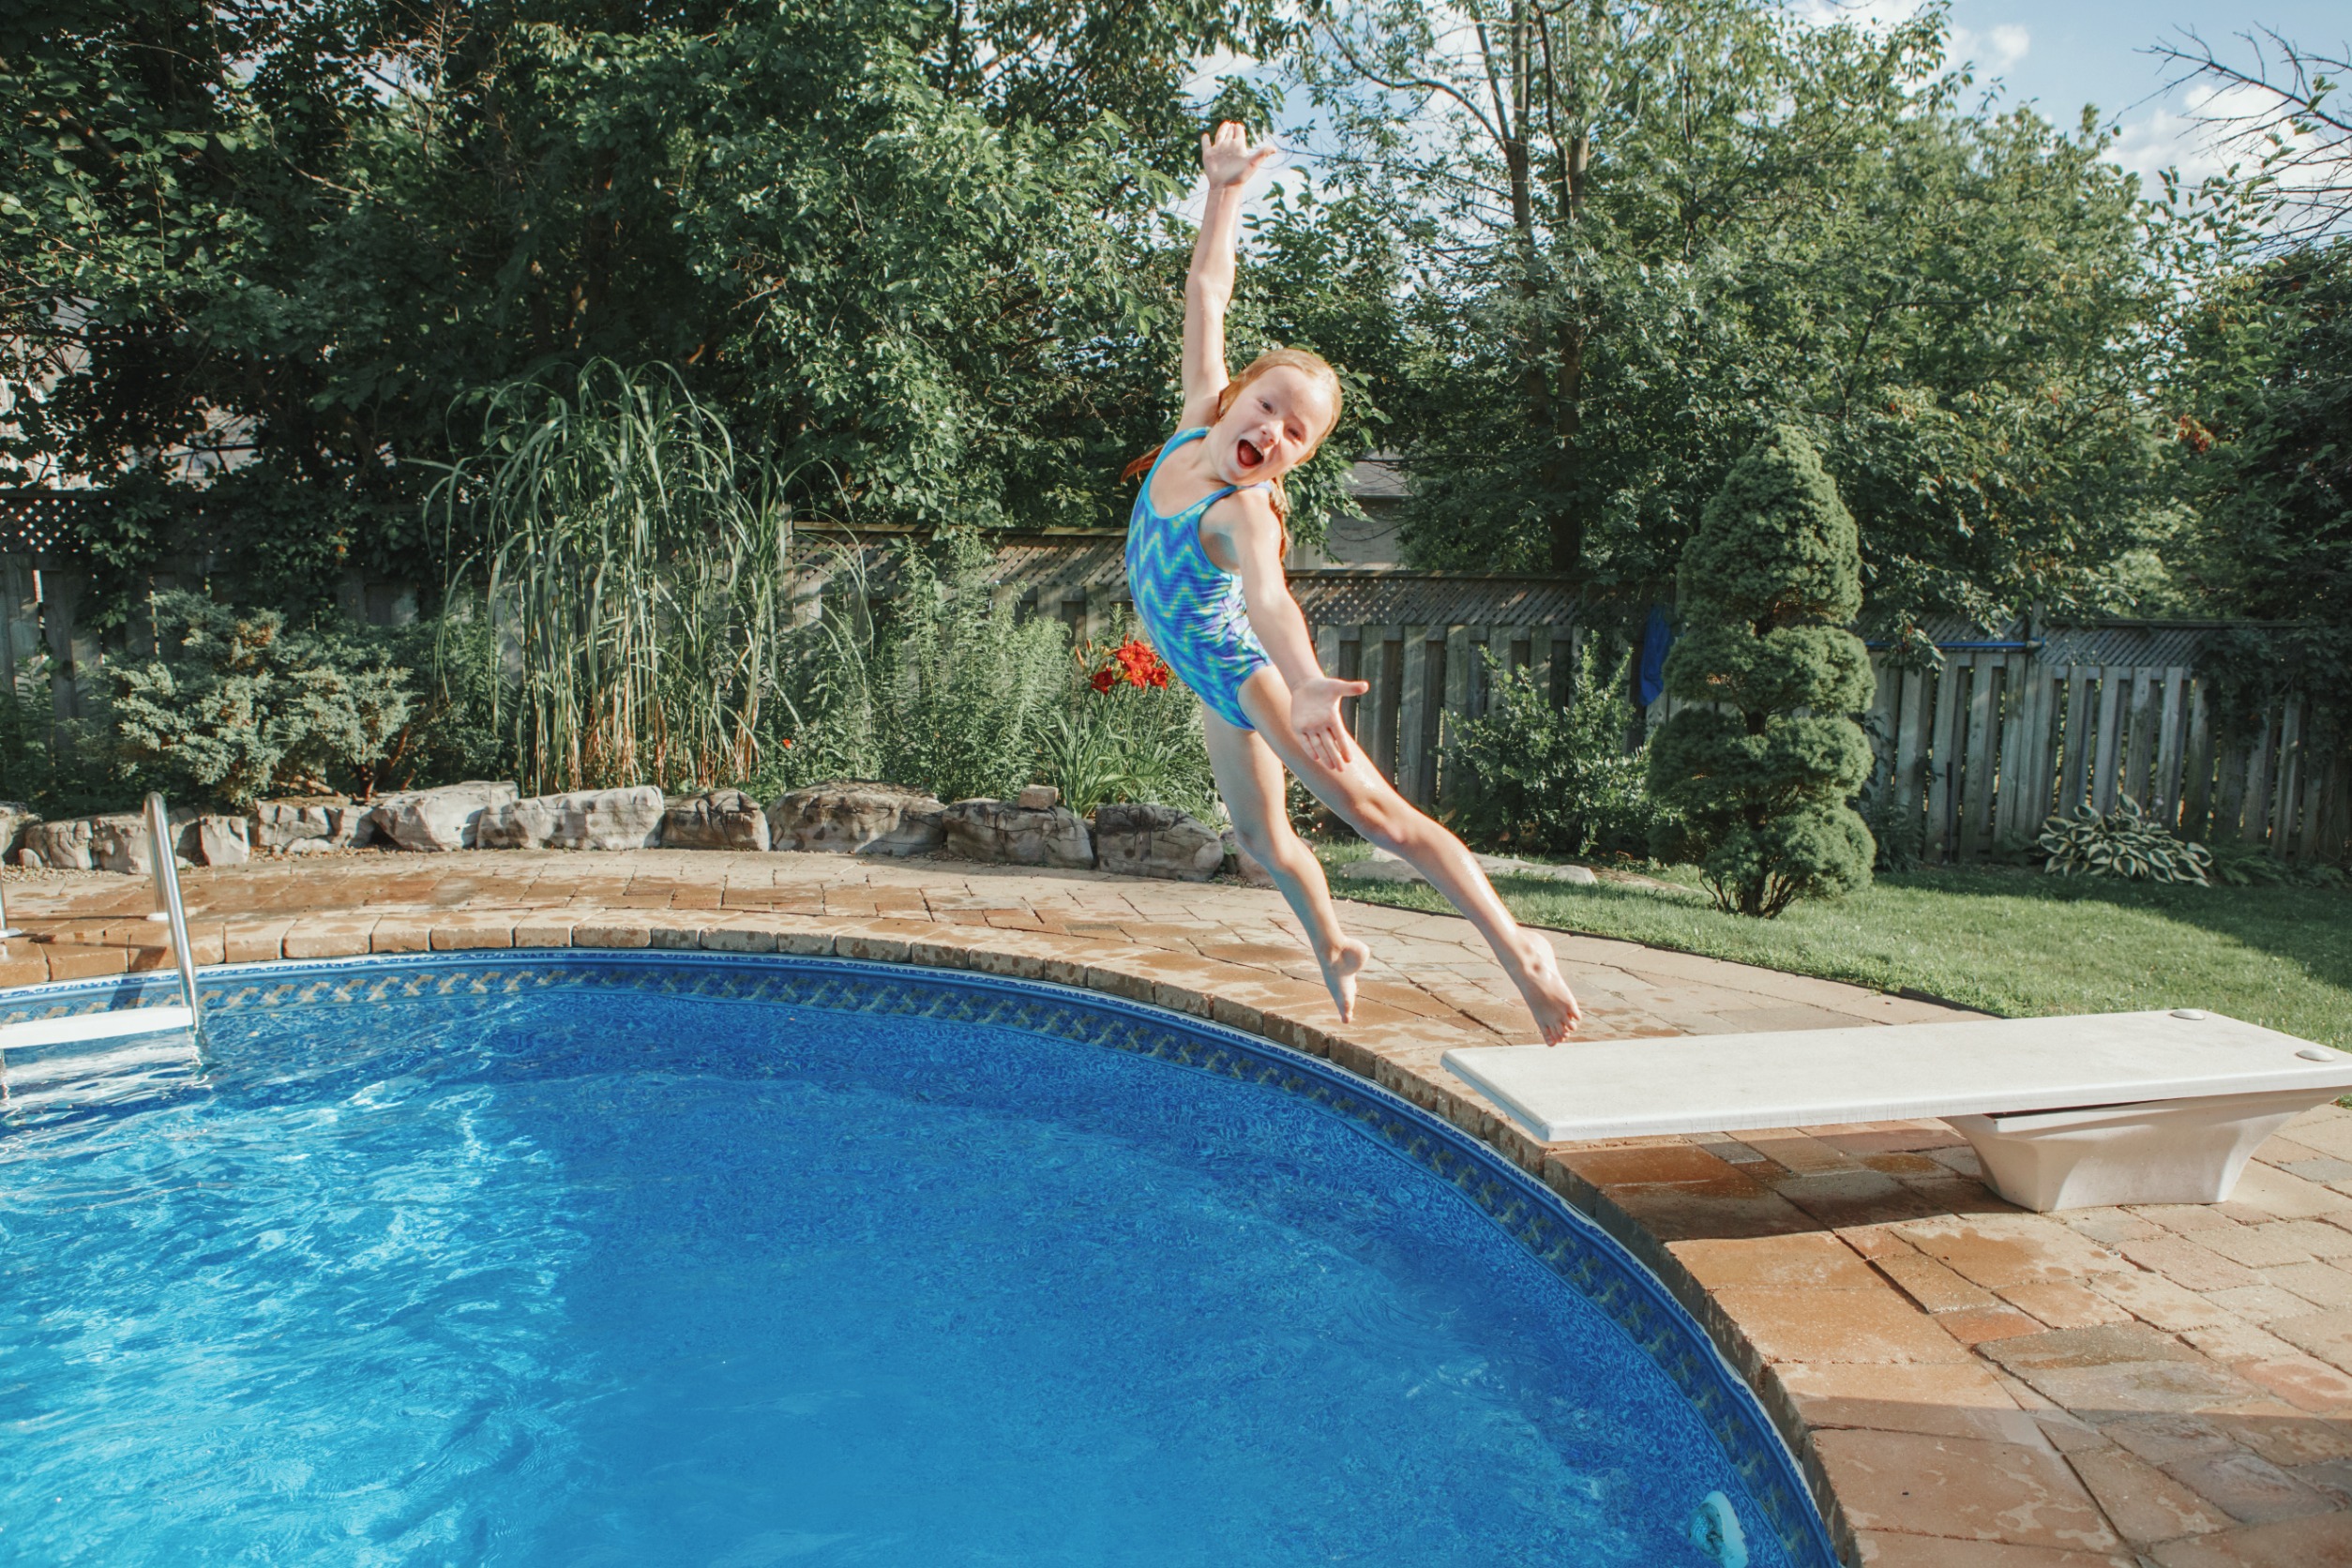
(1140, 665)
(1104, 680)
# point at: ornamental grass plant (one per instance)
(639, 579)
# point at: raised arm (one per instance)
(1228, 160)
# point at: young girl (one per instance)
(1204, 561)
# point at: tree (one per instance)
(909, 248)
(1641, 233)
(2265, 459)
(1765, 754)
(2279, 105)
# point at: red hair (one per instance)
(1306, 362)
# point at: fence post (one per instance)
(19, 618)
(2165, 789)
(1461, 656)
(2327, 841)
(1910, 738)
(1412, 715)
(2009, 804)
(1943, 767)
(1349, 666)
(2041, 749)
(2287, 794)
(1384, 671)
(2255, 825)
(2113, 678)
(1976, 780)
(2075, 782)
(2197, 790)
(2308, 821)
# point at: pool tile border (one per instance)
(1566, 1241)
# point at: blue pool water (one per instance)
(584, 1263)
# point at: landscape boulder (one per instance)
(60, 846)
(119, 842)
(857, 816)
(715, 819)
(305, 825)
(223, 841)
(625, 818)
(15, 817)
(437, 820)
(1137, 840)
(1004, 832)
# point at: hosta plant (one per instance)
(2124, 842)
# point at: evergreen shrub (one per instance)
(1551, 780)
(236, 706)
(1764, 757)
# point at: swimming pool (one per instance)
(585, 1257)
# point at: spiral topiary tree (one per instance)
(1763, 760)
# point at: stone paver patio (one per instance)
(1968, 1385)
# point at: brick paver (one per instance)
(1967, 1385)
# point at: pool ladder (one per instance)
(50, 1075)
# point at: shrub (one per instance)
(236, 707)
(2125, 842)
(60, 767)
(1555, 780)
(945, 691)
(1765, 757)
(1130, 734)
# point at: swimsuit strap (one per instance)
(1205, 502)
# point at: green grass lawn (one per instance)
(2012, 942)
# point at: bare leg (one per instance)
(1249, 776)
(1372, 805)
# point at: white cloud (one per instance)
(1996, 49)
(1876, 15)
(1214, 68)
(2178, 132)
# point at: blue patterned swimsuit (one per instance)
(1192, 607)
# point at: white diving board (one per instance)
(2064, 1112)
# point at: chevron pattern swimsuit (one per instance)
(1192, 607)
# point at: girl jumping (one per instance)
(1204, 563)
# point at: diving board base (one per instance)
(2157, 1152)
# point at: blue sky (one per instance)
(2064, 53)
(2060, 54)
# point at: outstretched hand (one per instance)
(1227, 158)
(1315, 718)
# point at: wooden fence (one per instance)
(1424, 678)
(1975, 756)
(1979, 754)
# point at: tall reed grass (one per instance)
(638, 580)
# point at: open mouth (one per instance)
(1249, 457)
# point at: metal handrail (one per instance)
(167, 880)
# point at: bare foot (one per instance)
(1340, 968)
(1536, 973)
